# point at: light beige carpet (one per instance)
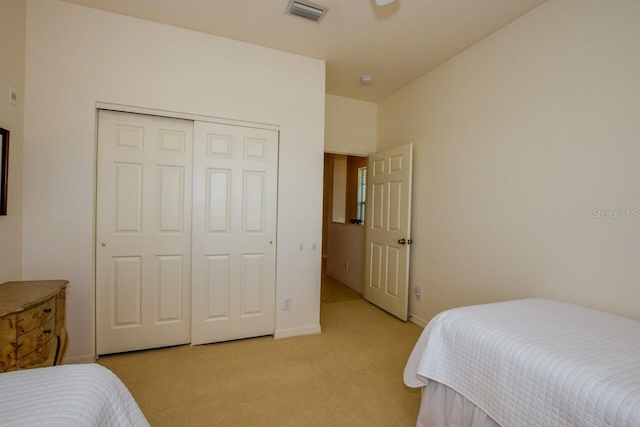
(349, 375)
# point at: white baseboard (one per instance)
(294, 332)
(77, 360)
(418, 321)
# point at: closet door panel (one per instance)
(143, 232)
(234, 226)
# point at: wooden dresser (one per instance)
(32, 324)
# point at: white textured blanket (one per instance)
(535, 362)
(68, 395)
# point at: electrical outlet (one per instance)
(346, 265)
(418, 293)
(286, 304)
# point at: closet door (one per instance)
(234, 232)
(143, 232)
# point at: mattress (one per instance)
(67, 395)
(535, 362)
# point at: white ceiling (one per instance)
(395, 44)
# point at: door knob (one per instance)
(402, 241)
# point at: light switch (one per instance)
(13, 96)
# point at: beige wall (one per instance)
(345, 253)
(339, 198)
(350, 126)
(12, 46)
(77, 57)
(517, 141)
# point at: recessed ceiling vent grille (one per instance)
(306, 9)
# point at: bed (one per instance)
(530, 362)
(67, 395)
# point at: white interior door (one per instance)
(234, 232)
(143, 232)
(388, 229)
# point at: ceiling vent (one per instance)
(306, 9)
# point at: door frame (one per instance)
(410, 318)
(150, 112)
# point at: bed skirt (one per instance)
(442, 406)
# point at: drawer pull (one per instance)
(47, 331)
(47, 310)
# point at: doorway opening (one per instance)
(343, 231)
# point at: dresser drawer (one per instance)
(36, 316)
(43, 356)
(36, 338)
(8, 339)
(32, 324)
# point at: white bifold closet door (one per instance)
(143, 232)
(234, 232)
(185, 232)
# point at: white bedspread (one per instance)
(68, 395)
(535, 362)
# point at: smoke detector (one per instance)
(306, 9)
(366, 80)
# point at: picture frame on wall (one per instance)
(4, 169)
